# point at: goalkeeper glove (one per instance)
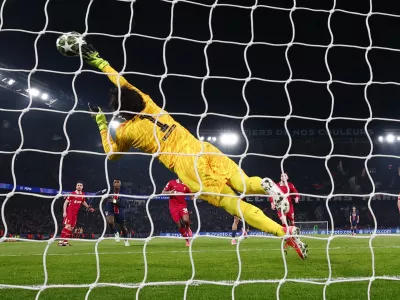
(92, 57)
(99, 117)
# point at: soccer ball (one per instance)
(68, 43)
(285, 205)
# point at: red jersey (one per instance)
(292, 190)
(179, 187)
(75, 202)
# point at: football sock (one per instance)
(63, 233)
(253, 184)
(253, 215)
(233, 233)
(66, 233)
(182, 231)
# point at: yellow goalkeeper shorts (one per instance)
(214, 170)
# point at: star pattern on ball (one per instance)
(80, 41)
(67, 47)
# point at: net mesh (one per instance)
(313, 226)
(290, 79)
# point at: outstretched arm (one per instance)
(92, 57)
(121, 144)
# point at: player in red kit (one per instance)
(287, 187)
(178, 208)
(71, 208)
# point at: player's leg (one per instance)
(237, 179)
(234, 229)
(215, 183)
(256, 218)
(110, 218)
(120, 220)
(288, 221)
(214, 171)
(256, 185)
(66, 233)
(185, 222)
(290, 216)
(174, 211)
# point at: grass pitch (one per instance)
(71, 270)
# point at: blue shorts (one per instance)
(119, 218)
(353, 224)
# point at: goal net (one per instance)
(313, 227)
(278, 86)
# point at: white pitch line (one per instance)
(184, 251)
(310, 280)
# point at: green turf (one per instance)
(21, 263)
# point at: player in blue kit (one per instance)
(115, 212)
(354, 220)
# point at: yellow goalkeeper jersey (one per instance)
(151, 131)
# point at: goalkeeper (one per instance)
(152, 130)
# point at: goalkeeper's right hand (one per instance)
(92, 57)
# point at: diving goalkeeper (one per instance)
(152, 130)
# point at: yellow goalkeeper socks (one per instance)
(252, 215)
(253, 184)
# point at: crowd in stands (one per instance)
(31, 217)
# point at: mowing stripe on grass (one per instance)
(184, 251)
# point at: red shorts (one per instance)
(70, 219)
(177, 212)
(289, 215)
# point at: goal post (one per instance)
(313, 227)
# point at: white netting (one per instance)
(257, 5)
(313, 226)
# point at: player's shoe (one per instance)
(273, 190)
(233, 242)
(299, 246)
(285, 247)
(126, 242)
(117, 239)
